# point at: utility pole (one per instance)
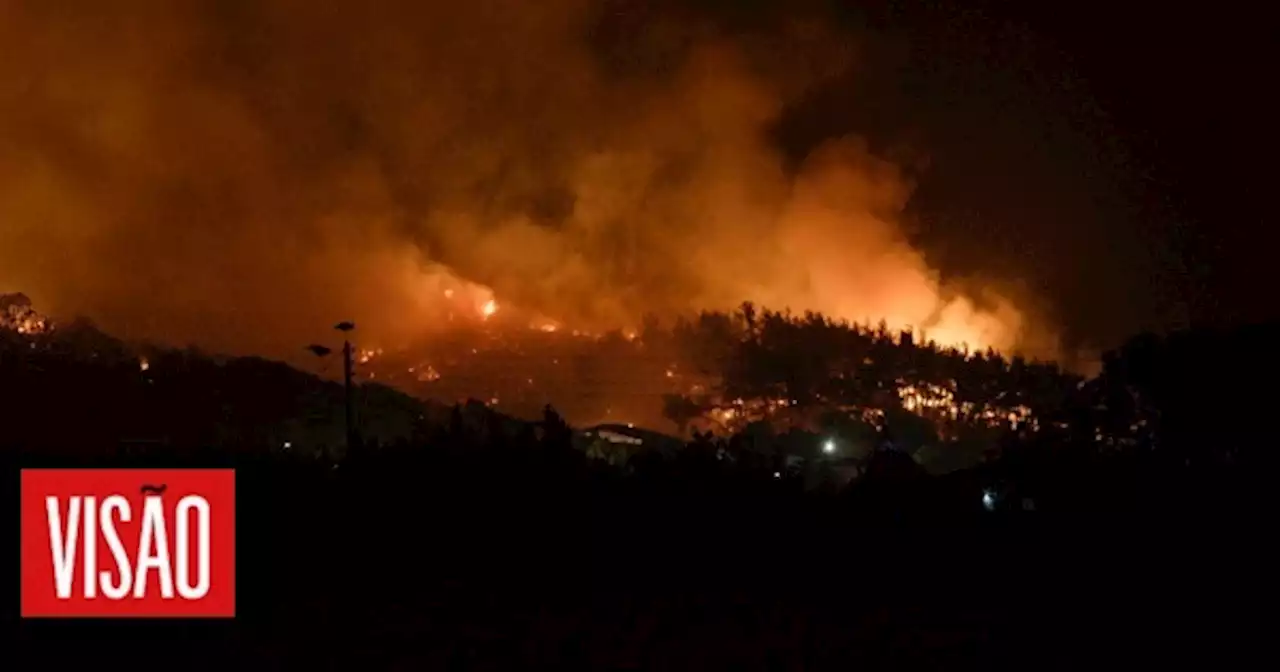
(348, 386)
(347, 366)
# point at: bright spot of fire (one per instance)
(489, 308)
(143, 364)
(16, 314)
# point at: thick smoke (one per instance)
(244, 173)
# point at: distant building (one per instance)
(617, 443)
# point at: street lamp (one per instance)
(348, 402)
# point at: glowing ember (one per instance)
(489, 308)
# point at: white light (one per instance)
(287, 445)
(988, 500)
(829, 447)
(777, 474)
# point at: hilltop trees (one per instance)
(825, 374)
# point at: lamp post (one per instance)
(347, 384)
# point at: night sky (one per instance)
(1112, 155)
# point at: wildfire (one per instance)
(939, 402)
(30, 327)
(489, 308)
(16, 314)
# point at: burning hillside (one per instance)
(746, 372)
(722, 372)
(497, 198)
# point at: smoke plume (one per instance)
(244, 173)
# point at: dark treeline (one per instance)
(472, 540)
(762, 352)
(1199, 395)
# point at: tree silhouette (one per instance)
(680, 410)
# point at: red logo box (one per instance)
(162, 543)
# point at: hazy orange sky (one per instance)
(244, 174)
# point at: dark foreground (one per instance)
(434, 562)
